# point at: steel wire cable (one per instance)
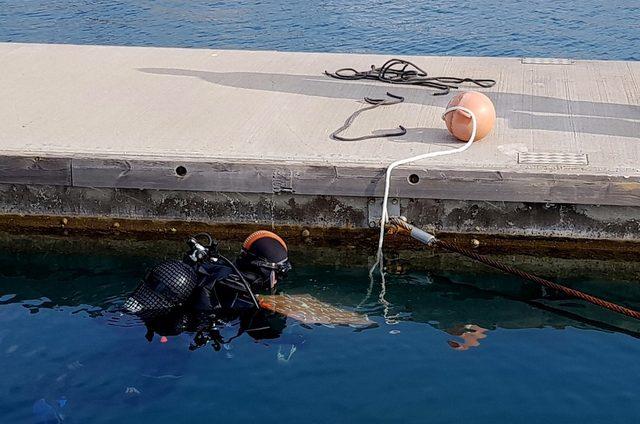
(408, 228)
(546, 283)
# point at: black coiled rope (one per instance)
(400, 71)
(373, 103)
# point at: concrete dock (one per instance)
(220, 136)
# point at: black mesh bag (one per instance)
(167, 286)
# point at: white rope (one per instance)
(385, 200)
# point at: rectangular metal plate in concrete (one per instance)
(374, 210)
(552, 158)
(546, 61)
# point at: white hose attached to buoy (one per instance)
(387, 184)
(385, 213)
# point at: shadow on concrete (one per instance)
(521, 111)
(435, 136)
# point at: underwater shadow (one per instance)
(521, 111)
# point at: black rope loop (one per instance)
(374, 103)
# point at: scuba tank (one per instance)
(171, 284)
(165, 287)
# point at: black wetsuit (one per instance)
(221, 289)
(219, 297)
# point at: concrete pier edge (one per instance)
(163, 135)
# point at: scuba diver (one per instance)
(206, 291)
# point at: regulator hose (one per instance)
(244, 281)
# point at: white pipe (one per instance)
(385, 200)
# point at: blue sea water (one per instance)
(588, 29)
(68, 355)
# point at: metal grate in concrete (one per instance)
(546, 61)
(551, 158)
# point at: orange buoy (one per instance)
(459, 122)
